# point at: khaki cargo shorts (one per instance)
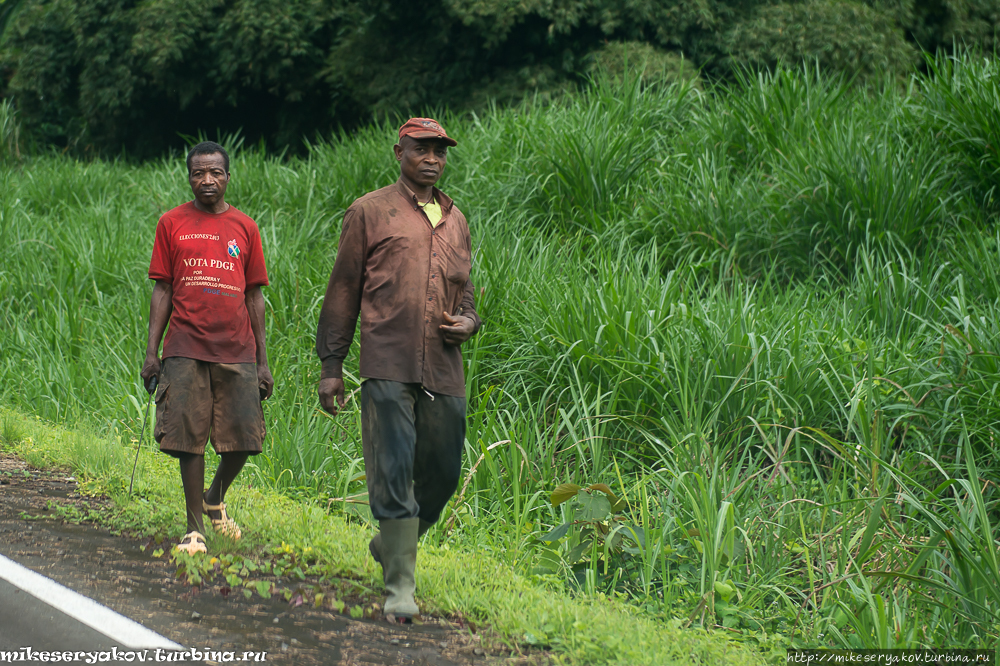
(197, 400)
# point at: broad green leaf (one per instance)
(636, 534)
(557, 533)
(359, 508)
(724, 590)
(617, 503)
(612, 540)
(549, 561)
(563, 492)
(633, 533)
(574, 555)
(592, 507)
(621, 531)
(604, 489)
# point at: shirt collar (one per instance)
(443, 199)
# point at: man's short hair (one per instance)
(208, 148)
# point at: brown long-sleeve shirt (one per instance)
(400, 274)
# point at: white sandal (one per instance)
(193, 542)
(223, 524)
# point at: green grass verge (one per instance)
(577, 629)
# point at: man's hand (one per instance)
(265, 382)
(150, 369)
(457, 329)
(331, 395)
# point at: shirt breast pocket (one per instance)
(458, 264)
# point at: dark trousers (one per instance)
(413, 444)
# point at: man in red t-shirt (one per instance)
(208, 265)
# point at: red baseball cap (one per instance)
(425, 128)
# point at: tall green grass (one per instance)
(764, 316)
(10, 133)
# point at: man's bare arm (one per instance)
(255, 306)
(160, 307)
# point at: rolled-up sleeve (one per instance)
(469, 305)
(338, 316)
(469, 294)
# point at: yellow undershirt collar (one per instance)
(433, 212)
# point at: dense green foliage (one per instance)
(764, 315)
(106, 74)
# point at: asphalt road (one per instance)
(26, 621)
(39, 615)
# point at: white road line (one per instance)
(100, 618)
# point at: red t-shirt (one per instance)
(210, 261)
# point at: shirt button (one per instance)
(431, 298)
(434, 254)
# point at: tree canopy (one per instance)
(107, 75)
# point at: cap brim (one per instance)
(432, 135)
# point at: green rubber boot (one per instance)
(375, 545)
(398, 550)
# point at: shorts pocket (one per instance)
(161, 392)
(160, 398)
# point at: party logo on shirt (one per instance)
(234, 249)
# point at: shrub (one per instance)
(842, 36)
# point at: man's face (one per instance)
(421, 160)
(208, 178)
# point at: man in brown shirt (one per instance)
(403, 264)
